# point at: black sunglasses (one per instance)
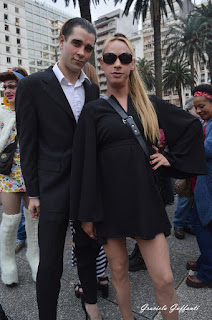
(10, 86)
(110, 58)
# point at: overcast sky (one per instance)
(96, 12)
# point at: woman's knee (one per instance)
(164, 282)
(119, 271)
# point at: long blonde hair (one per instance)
(139, 97)
(90, 72)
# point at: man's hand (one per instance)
(158, 159)
(34, 207)
(89, 228)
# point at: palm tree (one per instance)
(157, 9)
(204, 14)
(145, 69)
(186, 42)
(177, 75)
(84, 6)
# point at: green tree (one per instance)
(204, 14)
(157, 9)
(177, 75)
(145, 69)
(186, 42)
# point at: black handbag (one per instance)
(6, 157)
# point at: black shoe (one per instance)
(189, 230)
(103, 287)
(179, 233)
(137, 262)
(2, 314)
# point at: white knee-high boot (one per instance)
(8, 234)
(32, 242)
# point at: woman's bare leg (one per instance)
(117, 256)
(11, 202)
(156, 256)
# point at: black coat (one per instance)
(46, 126)
(113, 183)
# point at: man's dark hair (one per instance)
(203, 88)
(67, 28)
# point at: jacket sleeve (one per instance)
(208, 141)
(184, 138)
(84, 172)
(27, 128)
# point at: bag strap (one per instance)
(131, 123)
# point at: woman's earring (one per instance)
(6, 103)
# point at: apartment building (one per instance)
(29, 33)
(13, 35)
(43, 24)
(110, 24)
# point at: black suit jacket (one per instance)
(46, 125)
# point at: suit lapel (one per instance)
(88, 91)
(54, 89)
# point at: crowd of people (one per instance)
(103, 162)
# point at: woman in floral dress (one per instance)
(12, 189)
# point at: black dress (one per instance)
(112, 182)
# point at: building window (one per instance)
(5, 16)
(32, 70)
(17, 20)
(8, 60)
(5, 6)
(16, 10)
(202, 77)
(7, 38)
(6, 27)
(19, 51)
(19, 61)
(18, 41)
(18, 30)
(7, 49)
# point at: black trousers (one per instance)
(86, 251)
(51, 236)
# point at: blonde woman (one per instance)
(12, 189)
(114, 186)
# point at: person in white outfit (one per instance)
(12, 189)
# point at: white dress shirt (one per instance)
(75, 94)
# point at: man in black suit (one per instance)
(48, 105)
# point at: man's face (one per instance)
(76, 51)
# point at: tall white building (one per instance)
(43, 25)
(13, 35)
(110, 24)
(29, 33)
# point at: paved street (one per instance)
(20, 302)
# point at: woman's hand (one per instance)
(158, 159)
(89, 228)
